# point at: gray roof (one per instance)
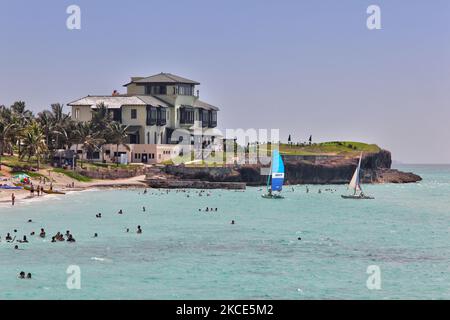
(167, 99)
(114, 102)
(204, 105)
(197, 104)
(162, 78)
(153, 101)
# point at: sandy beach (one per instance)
(64, 183)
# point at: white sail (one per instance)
(354, 183)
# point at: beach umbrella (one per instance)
(21, 176)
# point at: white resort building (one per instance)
(153, 108)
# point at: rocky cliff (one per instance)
(376, 168)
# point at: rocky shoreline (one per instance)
(376, 168)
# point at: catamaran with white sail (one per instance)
(276, 177)
(355, 185)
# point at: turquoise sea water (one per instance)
(187, 254)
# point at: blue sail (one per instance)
(277, 171)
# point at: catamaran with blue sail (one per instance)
(355, 185)
(276, 177)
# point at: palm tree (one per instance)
(60, 122)
(88, 138)
(118, 136)
(11, 135)
(22, 117)
(34, 143)
(55, 124)
(6, 128)
(101, 120)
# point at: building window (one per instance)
(186, 90)
(133, 114)
(152, 115)
(116, 114)
(204, 117)
(187, 115)
(212, 118)
(148, 137)
(162, 116)
(77, 113)
(155, 89)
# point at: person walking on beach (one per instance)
(13, 199)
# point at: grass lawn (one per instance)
(14, 161)
(345, 148)
(109, 165)
(72, 174)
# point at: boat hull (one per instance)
(357, 197)
(268, 196)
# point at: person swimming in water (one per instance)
(139, 230)
(8, 237)
(95, 235)
(70, 238)
(28, 275)
(21, 275)
(143, 209)
(120, 211)
(42, 234)
(232, 222)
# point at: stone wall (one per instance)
(112, 173)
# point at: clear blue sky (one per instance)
(306, 67)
